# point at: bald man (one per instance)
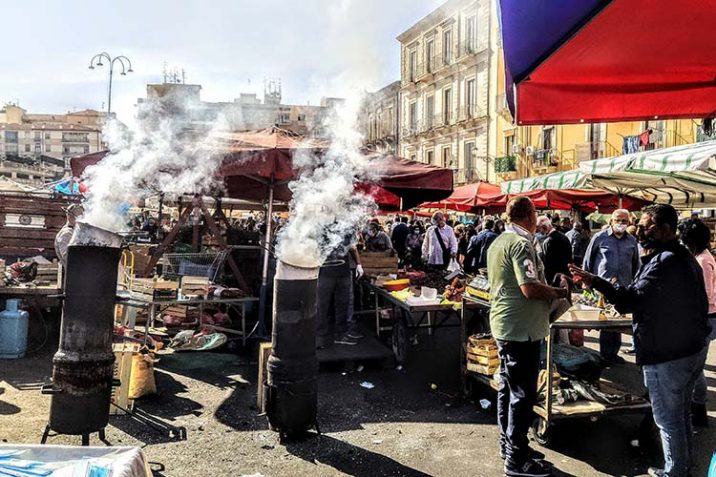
(613, 254)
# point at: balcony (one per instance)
(466, 175)
(471, 111)
(594, 150)
(544, 158)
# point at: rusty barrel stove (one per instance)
(291, 390)
(83, 365)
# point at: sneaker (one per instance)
(531, 454)
(531, 468)
(354, 335)
(345, 340)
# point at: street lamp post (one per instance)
(122, 60)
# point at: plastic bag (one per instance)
(141, 381)
(453, 265)
(712, 467)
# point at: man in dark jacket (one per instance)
(398, 237)
(476, 257)
(555, 250)
(669, 305)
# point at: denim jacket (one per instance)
(669, 305)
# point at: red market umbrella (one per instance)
(468, 198)
(591, 61)
(584, 200)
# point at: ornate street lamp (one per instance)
(124, 63)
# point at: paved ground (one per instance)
(401, 427)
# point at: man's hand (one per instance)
(359, 271)
(581, 276)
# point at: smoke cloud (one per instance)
(157, 153)
(325, 209)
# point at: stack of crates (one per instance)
(482, 355)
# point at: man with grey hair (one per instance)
(555, 250)
(63, 237)
(613, 255)
(440, 243)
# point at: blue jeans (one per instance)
(671, 385)
(516, 396)
(700, 390)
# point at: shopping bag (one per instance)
(453, 265)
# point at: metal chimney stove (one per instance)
(82, 374)
(291, 398)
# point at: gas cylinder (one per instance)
(13, 331)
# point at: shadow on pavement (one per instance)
(349, 459)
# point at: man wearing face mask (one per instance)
(440, 243)
(669, 305)
(613, 255)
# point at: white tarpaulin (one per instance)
(682, 175)
(72, 461)
(559, 180)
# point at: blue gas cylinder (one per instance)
(13, 331)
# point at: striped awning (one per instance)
(558, 180)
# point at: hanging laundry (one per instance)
(644, 137)
(631, 144)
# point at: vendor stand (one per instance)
(549, 412)
(156, 306)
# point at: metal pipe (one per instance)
(264, 271)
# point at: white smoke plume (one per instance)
(156, 154)
(325, 209)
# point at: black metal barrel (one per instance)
(291, 391)
(83, 365)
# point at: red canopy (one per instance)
(468, 198)
(255, 161)
(583, 200)
(617, 60)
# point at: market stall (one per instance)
(568, 62)
(570, 389)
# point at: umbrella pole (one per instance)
(264, 273)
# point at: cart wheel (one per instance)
(399, 341)
(541, 432)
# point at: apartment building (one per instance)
(379, 119)
(36, 148)
(247, 112)
(445, 89)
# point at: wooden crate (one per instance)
(123, 353)
(490, 361)
(480, 369)
(264, 353)
(194, 286)
(379, 263)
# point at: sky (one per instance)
(315, 47)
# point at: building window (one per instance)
(302, 116)
(27, 148)
(548, 139)
(27, 134)
(38, 148)
(509, 143)
(446, 157)
(447, 46)
(11, 136)
(48, 148)
(412, 157)
(447, 106)
(429, 157)
(470, 34)
(470, 100)
(429, 111)
(413, 116)
(469, 161)
(429, 54)
(38, 135)
(47, 135)
(412, 64)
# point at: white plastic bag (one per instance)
(453, 265)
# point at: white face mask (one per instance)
(619, 228)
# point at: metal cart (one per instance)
(548, 413)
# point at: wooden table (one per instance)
(201, 303)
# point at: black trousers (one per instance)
(516, 395)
